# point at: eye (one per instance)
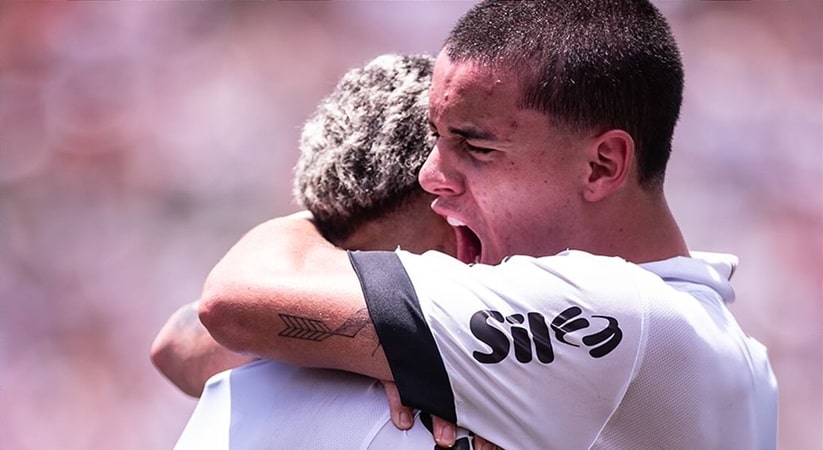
(433, 131)
(478, 150)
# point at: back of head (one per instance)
(361, 150)
(590, 65)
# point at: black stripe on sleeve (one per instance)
(404, 334)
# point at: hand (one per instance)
(401, 416)
(445, 435)
(482, 444)
(444, 431)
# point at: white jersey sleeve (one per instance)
(574, 351)
(531, 353)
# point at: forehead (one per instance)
(468, 95)
(462, 81)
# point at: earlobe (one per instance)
(609, 164)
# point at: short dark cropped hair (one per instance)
(362, 149)
(587, 64)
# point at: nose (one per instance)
(437, 176)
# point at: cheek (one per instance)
(505, 206)
(526, 192)
(529, 204)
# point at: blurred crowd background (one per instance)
(138, 141)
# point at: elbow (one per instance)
(219, 315)
(160, 355)
(167, 360)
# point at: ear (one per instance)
(610, 163)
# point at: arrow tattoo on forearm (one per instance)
(317, 330)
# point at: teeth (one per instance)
(454, 222)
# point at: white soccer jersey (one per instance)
(574, 351)
(269, 405)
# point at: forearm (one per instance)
(284, 293)
(186, 354)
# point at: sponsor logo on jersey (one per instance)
(533, 337)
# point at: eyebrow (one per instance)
(469, 132)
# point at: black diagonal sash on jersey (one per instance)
(404, 334)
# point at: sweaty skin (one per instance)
(493, 159)
(524, 185)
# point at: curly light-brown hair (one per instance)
(361, 150)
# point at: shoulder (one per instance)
(574, 265)
(570, 274)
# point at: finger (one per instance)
(482, 444)
(401, 416)
(444, 432)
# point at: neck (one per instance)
(639, 229)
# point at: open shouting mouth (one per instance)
(469, 248)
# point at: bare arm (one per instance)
(284, 293)
(186, 354)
